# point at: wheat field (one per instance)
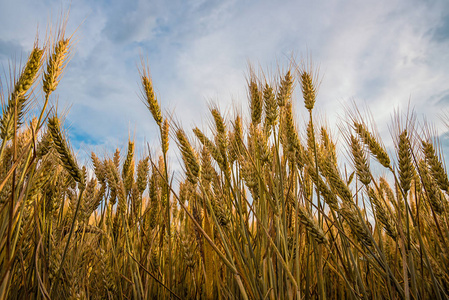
(263, 208)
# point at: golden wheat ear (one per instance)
(284, 94)
(256, 103)
(406, 169)
(17, 101)
(436, 166)
(360, 161)
(308, 90)
(311, 226)
(128, 168)
(165, 129)
(270, 108)
(373, 144)
(61, 146)
(56, 65)
(149, 95)
(189, 157)
(143, 168)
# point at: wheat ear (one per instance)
(308, 90)
(270, 108)
(311, 226)
(17, 100)
(216, 154)
(256, 103)
(150, 97)
(68, 161)
(285, 90)
(360, 161)
(55, 66)
(406, 169)
(164, 136)
(383, 214)
(142, 174)
(374, 146)
(436, 167)
(128, 168)
(189, 157)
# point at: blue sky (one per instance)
(380, 54)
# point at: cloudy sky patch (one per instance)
(382, 54)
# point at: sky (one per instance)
(383, 54)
